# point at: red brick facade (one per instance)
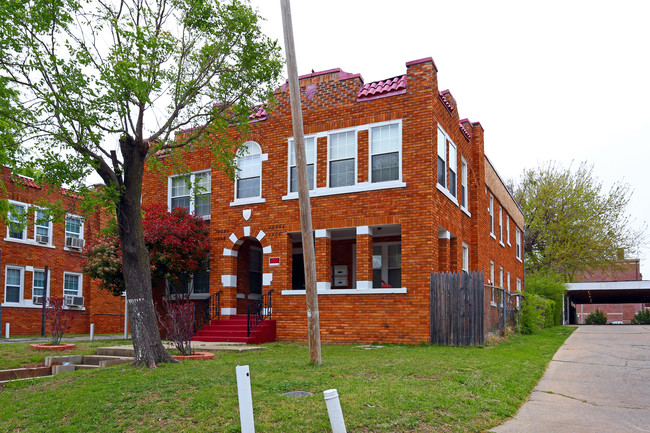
(23, 256)
(396, 231)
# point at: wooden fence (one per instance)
(457, 309)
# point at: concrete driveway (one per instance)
(599, 381)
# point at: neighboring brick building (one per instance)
(26, 250)
(401, 188)
(620, 284)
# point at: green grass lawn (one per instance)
(389, 389)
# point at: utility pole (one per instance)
(313, 321)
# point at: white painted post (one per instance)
(126, 317)
(7, 330)
(334, 411)
(92, 331)
(245, 399)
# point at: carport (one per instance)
(606, 292)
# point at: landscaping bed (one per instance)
(394, 388)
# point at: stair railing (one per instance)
(258, 311)
(207, 310)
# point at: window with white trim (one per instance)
(465, 257)
(508, 229)
(249, 175)
(501, 224)
(72, 283)
(74, 227)
(38, 283)
(17, 227)
(492, 214)
(42, 227)
(310, 157)
(518, 285)
(385, 153)
(447, 162)
(501, 277)
(192, 192)
(387, 264)
(508, 280)
(14, 284)
(463, 183)
(492, 283)
(342, 154)
(518, 243)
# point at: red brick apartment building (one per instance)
(25, 251)
(400, 187)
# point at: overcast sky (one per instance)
(567, 81)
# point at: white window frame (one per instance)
(501, 277)
(245, 152)
(445, 143)
(508, 229)
(518, 244)
(47, 282)
(371, 154)
(464, 191)
(501, 225)
(80, 288)
(492, 282)
(508, 280)
(491, 210)
(330, 160)
(192, 192)
(11, 220)
(384, 263)
(81, 226)
(290, 166)
(518, 284)
(49, 226)
(465, 257)
(21, 290)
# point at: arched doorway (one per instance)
(249, 273)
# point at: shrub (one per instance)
(642, 317)
(532, 313)
(57, 318)
(178, 321)
(596, 318)
(549, 286)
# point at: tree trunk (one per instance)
(148, 347)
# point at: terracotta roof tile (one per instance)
(464, 131)
(25, 181)
(258, 113)
(379, 89)
(446, 102)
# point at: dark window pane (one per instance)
(452, 182)
(376, 278)
(294, 177)
(249, 187)
(181, 202)
(342, 173)
(202, 282)
(395, 277)
(442, 172)
(385, 167)
(202, 204)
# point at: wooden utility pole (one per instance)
(313, 321)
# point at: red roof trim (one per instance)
(423, 60)
(464, 131)
(389, 87)
(445, 101)
(25, 181)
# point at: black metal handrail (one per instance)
(206, 310)
(258, 311)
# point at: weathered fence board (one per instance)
(457, 309)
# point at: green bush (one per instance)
(642, 317)
(596, 318)
(548, 286)
(536, 313)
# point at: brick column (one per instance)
(228, 282)
(455, 255)
(364, 258)
(323, 246)
(444, 251)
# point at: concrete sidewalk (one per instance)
(599, 381)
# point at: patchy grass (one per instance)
(16, 355)
(394, 388)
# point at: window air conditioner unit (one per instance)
(73, 301)
(37, 300)
(42, 239)
(74, 243)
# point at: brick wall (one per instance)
(417, 209)
(614, 312)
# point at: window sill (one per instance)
(493, 236)
(466, 211)
(493, 304)
(391, 291)
(519, 258)
(359, 187)
(29, 242)
(446, 192)
(502, 244)
(243, 201)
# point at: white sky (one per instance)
(557, 80)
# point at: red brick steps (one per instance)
(234, 330)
